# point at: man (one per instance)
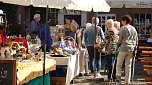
(89, 38)
(45, 30)
(34, 26)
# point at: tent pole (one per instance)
(47, 10)
(95, 62)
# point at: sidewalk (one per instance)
(138, 78)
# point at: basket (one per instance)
(72, 41)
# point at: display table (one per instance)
(29, 70)
(72, 63)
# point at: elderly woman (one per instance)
(127, 39)
(117, 25)
(111, 38)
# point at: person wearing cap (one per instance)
(34, 26)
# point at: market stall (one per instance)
(72, 63)
(29, 70)
(66, 55)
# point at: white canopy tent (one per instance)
(59, 4)
(89, 5)
(130, 3)
(83, 5)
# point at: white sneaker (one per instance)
(118, 83)
(118, 80)
(98, 74)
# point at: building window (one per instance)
(53, 17)
(142, 23)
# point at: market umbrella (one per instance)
(89, 5)
(59, 4)
(94, 6)
(130, 3)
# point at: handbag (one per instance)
(99, 44)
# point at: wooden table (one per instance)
(145, 48)
(149, 72)
(147, 52)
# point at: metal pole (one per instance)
(95, 62)
(47, 10)
(133, 70)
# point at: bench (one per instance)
(147, 66)
(147, 61)
(147, 52)
(149, 72)
(149, 83)
(145, 48)
(148, 79)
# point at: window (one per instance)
(53, 17)
(142, 23)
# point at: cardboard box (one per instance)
(58, 80)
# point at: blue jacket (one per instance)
(89, 35)
(49, 41)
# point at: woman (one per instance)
(128, 40)
(111, 38)
(70, 28)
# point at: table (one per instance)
(30, 70)
(72, 63)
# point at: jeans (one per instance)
(110, 62)
(127, 56)
(91, 59)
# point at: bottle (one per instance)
(38, 41)
(62, 44)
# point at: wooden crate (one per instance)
(58, 80)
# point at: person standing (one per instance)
(111, 39)
(127, 39)
(45, 30)
(70, 28)
(89, 38)
(117, 26)
(34, 26)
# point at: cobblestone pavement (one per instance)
(90, 80)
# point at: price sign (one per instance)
(7, 72)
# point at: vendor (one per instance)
(70, 28)
(34, 26)
(49, 41)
